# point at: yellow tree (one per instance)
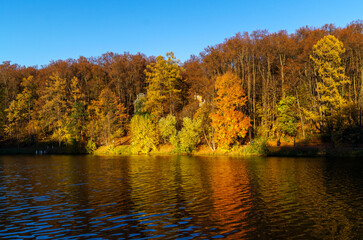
(53, 114)
(164, 86)
(106, 115)
(77, 112)
(20, 111)
(331, 81)
(228, 120)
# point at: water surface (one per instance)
(180, 197)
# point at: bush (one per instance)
(256, 147)
(189, 136)
(123, 150)
(167, 129)
(144, 134)
(91, 146)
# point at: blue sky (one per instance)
(34, 32)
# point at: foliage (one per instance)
(144, 134)
(2, 112)
(91, 146)
(256, 147)
(20, 111)
(54, 108)
(287, 116)
(77, 113)
(167, 129)
(189, 135)
(107, 116)
(328, 65)
(203, 113)
(163, 91)
(228, 120)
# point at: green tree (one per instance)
(287, 120)
(144, 134)
(164, 86)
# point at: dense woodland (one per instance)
(306, 86)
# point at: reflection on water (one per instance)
(180, 197)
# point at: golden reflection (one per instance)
(231, 195)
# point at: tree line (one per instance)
(260, 85)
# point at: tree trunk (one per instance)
(254, 94)
(361, 96)
(301, 116)
(282, 63)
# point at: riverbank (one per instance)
(40, 150)
(284, 151)
(315, 151)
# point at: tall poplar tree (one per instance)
(77, 113)
(164, 86)
(54, 109)
(331, 81)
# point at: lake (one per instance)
(180, 197)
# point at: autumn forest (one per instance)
(301, 87)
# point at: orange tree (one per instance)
(229, 122)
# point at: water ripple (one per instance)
(47, 197)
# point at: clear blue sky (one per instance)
(34, 32)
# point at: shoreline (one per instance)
(283, 151)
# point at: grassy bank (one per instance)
(203, 150)
(167, 149)
(247, 150)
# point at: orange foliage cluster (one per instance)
(228, 119)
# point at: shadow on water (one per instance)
(184, 197)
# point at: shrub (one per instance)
(189, 136)
(144, 134)
(167, 129)
(91, 146)
(256, 147)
